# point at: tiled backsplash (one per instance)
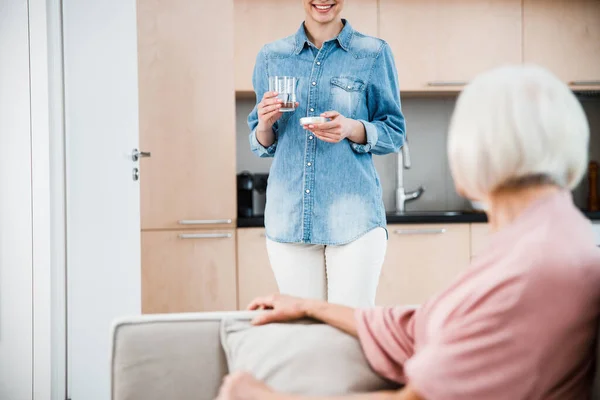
(427, 121)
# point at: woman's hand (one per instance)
(338, 129)
(283, 308)
(268, 111)
(243, 386)
(286, 308)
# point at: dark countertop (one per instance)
(415, 217)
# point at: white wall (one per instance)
(16, 275)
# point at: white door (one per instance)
(103, 207)
(16, 277)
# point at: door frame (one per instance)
(48, 200)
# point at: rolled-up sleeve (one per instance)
(261, 85)
(386, 335)
(386, 128)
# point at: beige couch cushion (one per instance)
(176, 357)
(300, 358)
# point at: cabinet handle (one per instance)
(204, 221)
(447, 83)
(585, 83)
(420, 231)
(205, 236)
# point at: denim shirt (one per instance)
(319, 192)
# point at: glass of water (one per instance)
(285, 86)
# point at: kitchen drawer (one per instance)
(188, 271)
(421, 260)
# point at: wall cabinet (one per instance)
(258, 22)
(188, 271)
(255, 275)
(564, 36)
(187, 113)
(421, 260)
(442, 44)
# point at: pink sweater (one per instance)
(519, 323)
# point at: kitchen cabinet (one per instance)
(564, 36)
(187, 113)
(258, 22)
(188, 271)
(255, 276)
(479, 238)
(439, 45)
(421, 260)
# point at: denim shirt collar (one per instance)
(343, 38)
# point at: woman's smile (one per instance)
(323, 8)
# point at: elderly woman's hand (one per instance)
(283, 308)
(243, 386)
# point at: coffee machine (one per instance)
(251, 194)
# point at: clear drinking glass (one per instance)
(285, 86)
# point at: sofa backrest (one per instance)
(168, 357)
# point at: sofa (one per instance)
(180, 357)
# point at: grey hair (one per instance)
(517, 125)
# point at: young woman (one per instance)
(521, 321)
(324, 218)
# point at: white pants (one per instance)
(347, 274)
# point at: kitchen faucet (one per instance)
(401, 196)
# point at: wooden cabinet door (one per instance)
(258, 22)
(479, 238)
(441, 44)
(409, 28)
(188, 271)
(421, 260)
(187, 112)
(564, 36)
(255, 276)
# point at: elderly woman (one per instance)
(520, 322)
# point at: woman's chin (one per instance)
(322, 19)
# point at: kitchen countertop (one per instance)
(415, 217)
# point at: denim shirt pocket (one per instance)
(345, 95)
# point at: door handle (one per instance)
(136, 154)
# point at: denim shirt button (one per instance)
(307, 191)
(312, 110)
(318, 62)
(310, 137)
(314, 83)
